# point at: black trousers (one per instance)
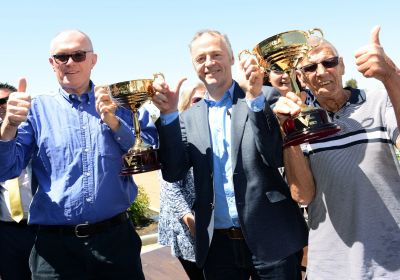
(111, 254)
(191, 269)
(231, 259)
(16, 241)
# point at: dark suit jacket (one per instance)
(271, 222)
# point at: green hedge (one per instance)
(137, 211)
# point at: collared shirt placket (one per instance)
(87, 160)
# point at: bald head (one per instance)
(71, 38)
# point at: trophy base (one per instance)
(308, 126)
(140, 162)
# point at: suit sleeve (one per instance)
(172, 150)
(267, 135)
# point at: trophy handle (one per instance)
(158, 75)
(259, 60)
(313, 30)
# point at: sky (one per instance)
(136, 38)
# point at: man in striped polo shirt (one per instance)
(350, 180)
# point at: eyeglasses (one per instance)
(327, 63)
(3, 100)
(276, 69)
(78, 56)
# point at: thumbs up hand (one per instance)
(372, 61)
(18, 105)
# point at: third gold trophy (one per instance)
(131, 95)
(283, 52)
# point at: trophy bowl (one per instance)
(283, 52)
(141, 157)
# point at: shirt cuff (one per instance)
(256, 104)
(166, 119)
(123, 136)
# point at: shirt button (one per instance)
(86, 150)
(88, 199)
(81, 107)
(84, 127)
(119, 138)
(337, 117)
(88, 174)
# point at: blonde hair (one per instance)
(186, 95)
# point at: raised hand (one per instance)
(251, 77)
(287, 106)
(372, 61)
(166, 99)
(105, 107)
(18, 105)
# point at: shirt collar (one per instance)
(221, 102)
(86, 97)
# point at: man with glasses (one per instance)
(354, 205)
(16, 236)
(75, 139)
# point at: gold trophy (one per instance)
(283, 52)
(132, 95)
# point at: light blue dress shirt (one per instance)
(219, 115)
(76, 159)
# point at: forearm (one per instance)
(392, 85)
(172, 151)
(267, 135)
(299, 175)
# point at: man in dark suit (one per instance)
(246, 222)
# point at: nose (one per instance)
(209, 60)
(320, 69)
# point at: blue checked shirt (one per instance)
(76, 159)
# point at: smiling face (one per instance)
(74, 77)
(212, 60)
(280, 80)
(326, 81)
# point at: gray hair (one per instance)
(213, 33)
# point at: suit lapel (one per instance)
(203, 130)
(239, 117)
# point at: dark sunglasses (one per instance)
(196, 99)
(78, 56)
(276, 69)
(3, 100)
(327, 63)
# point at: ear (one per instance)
(341, 66)
(94, 60)
(233, 60)
(52, 63)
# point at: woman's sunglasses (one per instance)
(78, 56)
(327, 63)
(3, 100)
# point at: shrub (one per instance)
(137, 211)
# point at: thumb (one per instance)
(22, 85)
(375, 35)
(180, 82)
